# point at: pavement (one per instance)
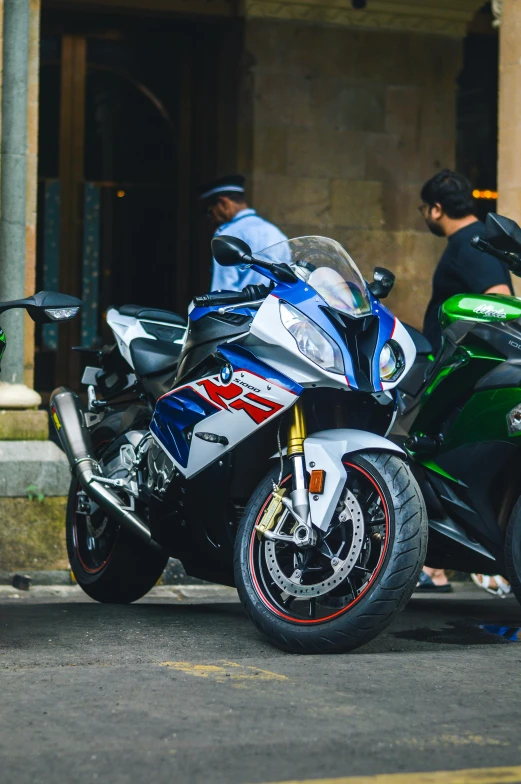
(180, 687)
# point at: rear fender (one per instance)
(326, 450)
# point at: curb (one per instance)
(174, 574)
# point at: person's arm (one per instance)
(501, 288)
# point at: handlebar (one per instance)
(248, 294)
(512, 260)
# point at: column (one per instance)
(13, 195)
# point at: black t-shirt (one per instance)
(462, 269)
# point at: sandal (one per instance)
(483, 581)
(426, 585)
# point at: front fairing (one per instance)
(360, 339)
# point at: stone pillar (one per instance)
(13, 194)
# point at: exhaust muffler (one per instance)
(69, 421)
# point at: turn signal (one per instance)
(316, 483)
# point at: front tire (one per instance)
(108, 562)
(358, 606)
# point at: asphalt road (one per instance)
(181, 688)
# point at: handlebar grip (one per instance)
(512, 260)
(248, 294)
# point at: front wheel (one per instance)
(346, 588)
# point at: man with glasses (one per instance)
(448, 210)
(225, 204)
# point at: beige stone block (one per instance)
(435, 153)
(510, 98)
(320, 51)
(438, 112)
(265, 43)
(24, 425)
(409, 302)
(356, 203)
(402, 110)
(270, 149)
(303, 201)
(382, 56)
(322, 152)
(281, 99)
(415, 256)
(343, 106)
(392, 158)
(510, 201)
(510, 48)
(400, 206)
(32, 534)
(509, 163)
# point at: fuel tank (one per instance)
(479, 307)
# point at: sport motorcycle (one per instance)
(265, 464)
(461, 411)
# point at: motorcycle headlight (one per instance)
(392, 361)
(311, 340)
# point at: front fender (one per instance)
(325, 450)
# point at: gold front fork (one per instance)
(296, 435)
(297, 431)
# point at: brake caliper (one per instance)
(273, 511)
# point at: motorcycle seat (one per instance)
(421, 343)
(151, 357)
(152, 314)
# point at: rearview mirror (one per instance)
(231, 251)
(383, 282)
(502, 233)
(46, 306)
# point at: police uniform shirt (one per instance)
(258, 234)
(462, 270)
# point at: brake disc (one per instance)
(341, 570)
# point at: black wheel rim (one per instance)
(339, 600)
(94, 535)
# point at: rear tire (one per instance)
(373, 593)
(109, 564)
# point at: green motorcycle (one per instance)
(462, 413)
(43, 307)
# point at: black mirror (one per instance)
(502, 233)
(230, 251)
(383, 282)
(46, 306)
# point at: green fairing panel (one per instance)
(489, 308)
(2, 342)
(483, 418)
(454, 381)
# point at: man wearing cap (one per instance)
(225, 204)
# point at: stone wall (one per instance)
(339, 129)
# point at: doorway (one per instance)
(135, 114)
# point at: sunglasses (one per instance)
(423, 209)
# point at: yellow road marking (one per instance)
(225, 671)
(469, 776)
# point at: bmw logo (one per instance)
(226, 374)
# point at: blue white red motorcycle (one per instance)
(263, 463)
